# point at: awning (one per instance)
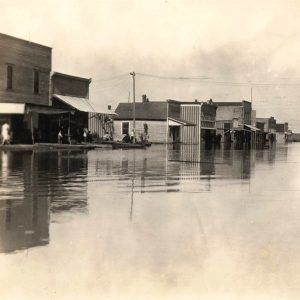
(104, 112)
(12, 108)
(47, 110)
(179, 122)
(81, 104)
(253, 128)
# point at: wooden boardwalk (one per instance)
(50, 146)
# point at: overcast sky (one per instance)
(230, 46)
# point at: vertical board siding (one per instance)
(99, 124)
(191, 134)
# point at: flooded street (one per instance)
(159, 223)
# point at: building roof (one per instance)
(23, 41)
(154, 110)
(71, 76)
(231, 103)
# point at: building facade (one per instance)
(233, 121)
(203, 115)
(24, 82)
(169, 121)
(70, 93)
(282, 132)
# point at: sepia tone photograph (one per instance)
(149, 150)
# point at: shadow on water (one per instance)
(34, 185)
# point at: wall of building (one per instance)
(281, 137)
(247, 109)
(173, 109)
(230, 113)
(99, 124)
(63, 84)
(295, 137)
(272, 125)
(265, 122)
(24, 57)
(191, 134)
(157, 130)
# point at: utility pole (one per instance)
(133, 111)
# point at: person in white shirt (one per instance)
(5, 134)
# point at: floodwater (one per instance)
(159, 223)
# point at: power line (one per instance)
(171, 77)
(110, 78)
(204, 80)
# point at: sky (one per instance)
(218, 49)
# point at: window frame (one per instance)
(36, 81)
(122, 127)
(10, 86)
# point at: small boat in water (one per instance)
(122, 145)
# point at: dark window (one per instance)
(9, 81)
(227, 126)
(125, 127)
(36, 81)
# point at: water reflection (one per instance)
(38, 186)
(33, 184)
(196, 161)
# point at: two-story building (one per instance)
(203, 115)
(24, 84)
(233, 121)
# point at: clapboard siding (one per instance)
(157, 130)
(25, 57)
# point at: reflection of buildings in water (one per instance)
(193, 162)
(196, 161)
(24, 223)
(269, 155)
(149, 169)
(4, 165)
(236, 163)
(50, 181)
(64, 173)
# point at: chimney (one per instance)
(196, 100)
(109, 107)
(147, 99)
(144, 98)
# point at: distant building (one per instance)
(151, 114)
(234, 121)
(282, 127)
(282, 132)
(166, 121)
(203, 115)
(269, 124)
(24, 84)
(269, 128)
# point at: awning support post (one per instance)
(31, 125)
(69, 131)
